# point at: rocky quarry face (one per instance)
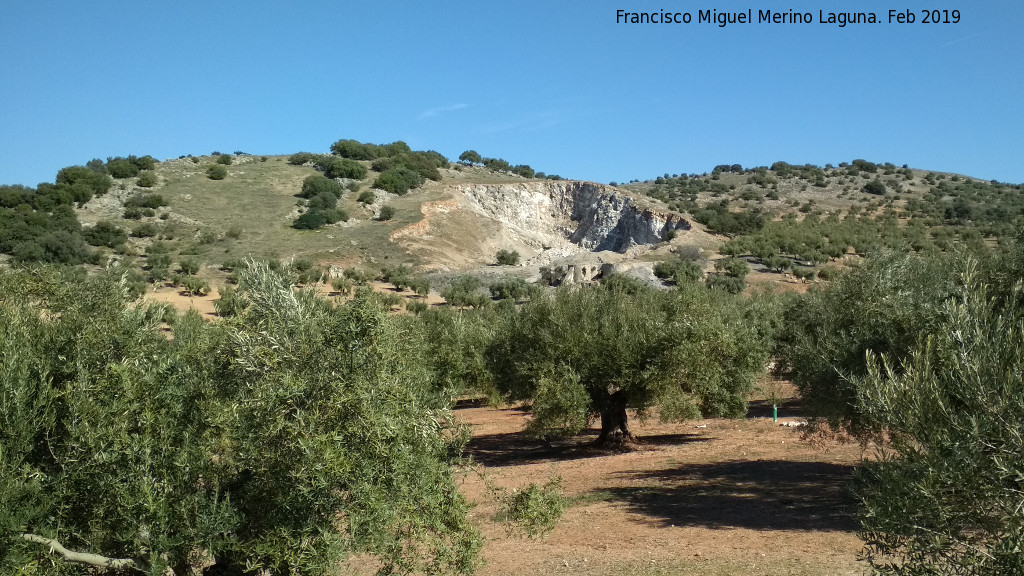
(586, 215)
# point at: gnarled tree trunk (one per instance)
(614, 422)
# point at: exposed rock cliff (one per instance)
(589, 215)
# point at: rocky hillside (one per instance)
(591, 216)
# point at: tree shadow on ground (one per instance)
(759, 495)
(516, 448)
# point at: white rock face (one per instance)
(586, 214)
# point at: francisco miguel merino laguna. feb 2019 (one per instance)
(840, 19)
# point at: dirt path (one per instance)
(708, 497)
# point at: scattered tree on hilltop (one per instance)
(470, 157)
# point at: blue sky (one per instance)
(557, 85)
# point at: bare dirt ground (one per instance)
(707, 497)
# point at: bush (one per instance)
(192, 285)
(387, 212)
(301, 158)
(367, 197)
(147, 179)
(311, 220)
(317, 184)
(523, 170)
(224, 159)
(398, 180)
(322, 201)
(416, 306)
(512, 289)
(144, 230)
(145, 201)
(189, 266)
(345, 168)
(335, 215)
(804, 273)
(507, 258)
(105, 233)
(730, 284)
(93, 181)
(121, 168)
(355, 150)
(464, 291)
(358, 276)
(875, 187)
(735, 267)
(535, 510)
(216, 172)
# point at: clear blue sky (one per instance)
(557, 85)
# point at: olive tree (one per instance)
(598, 351)
(881, 307)
(945, 496)
(277, 441)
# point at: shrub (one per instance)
(316, 184)
(146, 201)
(511, 289)
(189, 266)
(497, 165)
(147, 179)
(358, 276)
(132, 213)
(144, 230)
(416, 306)
(224, 159)
(367, 197)
(398, 180)
(311, 220)
(507, 257)
(216, 172)
(465, 291)
(234, 231)
(335, 215)
(345, 168)
(93, 181)
(735, 267)
(121, 168)
(827, 273)
(105, 233)
(355, 150)
(875, 187)
(301, 158)
(730, 284)
(804, 273)
(523, 170)
(322, 201)
(535, 510)
(193, 286)
(387, 212)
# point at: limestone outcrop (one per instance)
(589, 215)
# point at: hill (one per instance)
(787, 223)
